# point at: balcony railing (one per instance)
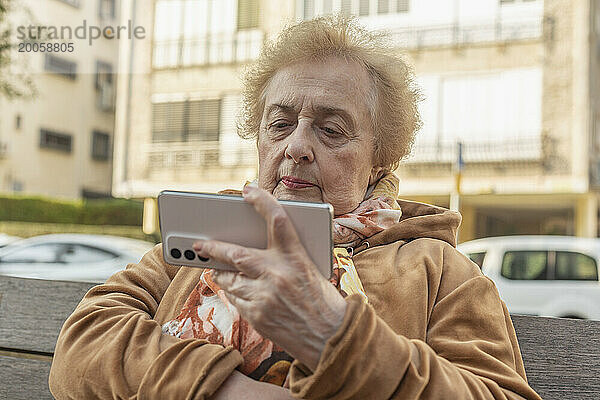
(223, 48)
(199, 155)
(496, 151)
(502, 30)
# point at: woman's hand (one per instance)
(239, 386)
(279, 290)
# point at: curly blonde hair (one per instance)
(392, 104)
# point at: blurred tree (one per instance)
(11, 85)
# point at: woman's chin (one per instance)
(310, 194)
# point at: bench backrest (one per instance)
(561, 356)
(31, 314)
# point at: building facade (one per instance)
(514, 82)
(59, 143)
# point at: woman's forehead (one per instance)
(320, 86)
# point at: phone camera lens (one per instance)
(189, 254)
(203, 259)
(175, 253)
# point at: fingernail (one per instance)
(197, 246)
(250, 194)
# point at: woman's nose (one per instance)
(299, 146)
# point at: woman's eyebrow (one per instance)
(279, 107)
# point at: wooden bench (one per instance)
(562, 356)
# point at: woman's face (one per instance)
(316, 141)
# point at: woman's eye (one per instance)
(281, 125)
(330, 131)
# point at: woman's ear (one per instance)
(376, 173)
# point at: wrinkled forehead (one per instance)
(317, 85)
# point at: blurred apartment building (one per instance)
(60, 142)
(515, 81)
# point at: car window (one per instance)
(525, 265)
(81, 254)
(477, 258)
(575, 266)
(38, 253)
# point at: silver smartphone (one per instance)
(185, 217)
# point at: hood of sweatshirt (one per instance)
(419, 220)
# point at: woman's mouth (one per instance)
(295, 183)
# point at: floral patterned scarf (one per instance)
(208, 315)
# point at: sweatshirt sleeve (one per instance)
(110, 347)
(470, 352)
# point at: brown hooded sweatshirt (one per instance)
(434, 328)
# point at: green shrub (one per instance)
(85, 212)
(29, 229)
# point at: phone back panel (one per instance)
(185, 217)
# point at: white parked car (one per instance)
(555, 276)
(7, 239)
(71, 257)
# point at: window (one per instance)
(39, 253)
(186, 32)
(82, 254)
(168, 121)
(402, 6)
(346, 7)
(525, 265)
(499, 106)
(100, 146)
(186, 120)
(503, 2)
(247, 14)
(575, 266)
(60, 66)
(104, 74)
(18, 122)
(106, 8)
(309, 9)
(74, 3)
(383, 6)
(477, 258)
(55, 140)
(17, 186)
(363, 8)
(104, 86)
(203, 120)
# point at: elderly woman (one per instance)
(404, 315)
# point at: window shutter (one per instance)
(402, 6)
(383, 6)
(346, 7)
(247, 14)
(203, 120)
(168, 121)
(363, 7)
(182, 121)
(309, 9)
